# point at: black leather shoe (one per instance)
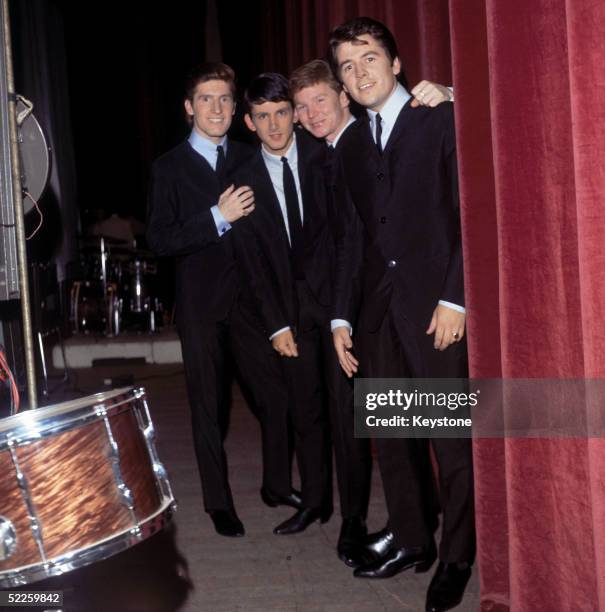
(227, 523)
(379, 543)
(351, 548)
(293, 499)
(447, 586)
(300, 521)
(398, 560)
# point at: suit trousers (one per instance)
(352, 455)
(399, 350)
(304, 377)
(210, 348)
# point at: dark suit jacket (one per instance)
(179, 223)
(262, 242)
(408, 205)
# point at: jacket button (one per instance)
(380, 176)
(383, 219)
(392, 263)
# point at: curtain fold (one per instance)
(519, 69)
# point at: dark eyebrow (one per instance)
(370, 52)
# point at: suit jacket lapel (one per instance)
(267, 195)
(368, 139)
(200, 164)
(403, 120)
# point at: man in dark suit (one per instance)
(282, 247)
(192, 207)
(399, 165)
(322, 107)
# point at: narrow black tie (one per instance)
(329, 165)
(294, 221)
(378, 120)
(220, 163)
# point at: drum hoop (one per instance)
(34, 425)
(91, 554)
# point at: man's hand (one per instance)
(343, 345)
(284, 344)
(430, 94)
(448, 326)
(236, 203)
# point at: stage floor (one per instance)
(189, 568)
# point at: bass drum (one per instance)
(81, 481)
(91, 312)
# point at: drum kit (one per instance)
(81, 481)
(117, 291)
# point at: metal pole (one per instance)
(19, 219)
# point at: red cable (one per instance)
(5, 372)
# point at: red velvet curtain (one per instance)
(296, 31)
(530, 85)
(531, 148)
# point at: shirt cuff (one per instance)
(279, 331)
(461, 309)
(452, 92)
(222, 226)
(334, 323)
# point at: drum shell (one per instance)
(75, 473)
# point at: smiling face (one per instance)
(211, 109)
(274, 124)
(321, 110)
(366, 71)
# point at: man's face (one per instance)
(211, 109)
(321, 110)
(366, 72)
(274, 124)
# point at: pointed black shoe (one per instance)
(398, 560)
(294, 500)
(351, 542)
(227, 523)
(447, 586)
(300, 521)
(379, 543)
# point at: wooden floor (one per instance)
(191, 569)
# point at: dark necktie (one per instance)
(329, 165)
(294, 221)
(378, 120)
(220, 163)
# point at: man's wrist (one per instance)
(336, 323)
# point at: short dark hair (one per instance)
(353, 29)
(267, 87)
(209, 71)
(312, 73)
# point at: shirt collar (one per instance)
(291, 154)
(344, 129)
(205, 146)
(390, 111)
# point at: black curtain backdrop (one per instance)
(107, 81)
(39, 64)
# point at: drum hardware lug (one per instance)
(8, 538)
(148, 430)
(114, 458)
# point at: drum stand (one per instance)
(11, 184)
(46, 392)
